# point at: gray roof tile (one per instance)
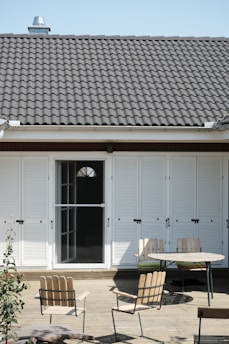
(99, 80)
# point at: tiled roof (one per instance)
(102, 80)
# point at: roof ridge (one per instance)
(131, 37)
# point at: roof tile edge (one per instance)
(117, 37)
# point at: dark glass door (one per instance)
(80, 208)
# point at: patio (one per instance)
(175, 323)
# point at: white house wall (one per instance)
(16, 169)
(192, 192)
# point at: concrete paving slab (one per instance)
(175, 323)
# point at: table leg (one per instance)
(209, 281)
(162, 265)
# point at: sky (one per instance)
(119, 17)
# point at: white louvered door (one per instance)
(196, 201)
(182, 195)
(34, 211)
(139, 205)
(209, 203)
(125, 190)
(10, 202)
(152, 197)
(24, 185)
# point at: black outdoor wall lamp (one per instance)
(110, 148)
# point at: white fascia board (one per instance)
(113, 134)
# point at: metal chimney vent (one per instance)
(38, 21)
(39, 27)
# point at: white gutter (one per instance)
(63, 133)
(221, 124)
(4, 125)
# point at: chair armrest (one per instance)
(82, 296)
(122, 293)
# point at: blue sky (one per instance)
(119, 17)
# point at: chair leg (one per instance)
(84, 315)
(199, 331)
(182, 281)
(116, 338)
(140, 323)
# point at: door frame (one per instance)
(87, 156)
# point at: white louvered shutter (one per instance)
(209, 203)
(182, 199)
(139, 193)
(10, 202)
(125, 178)
(152, 197)
(35, 211)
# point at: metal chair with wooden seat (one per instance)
(145, 247)
(149, 296)
(190, 245)
(211, 313)
(57, 297)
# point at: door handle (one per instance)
(20, 222)
(167, 221)
(137, 220)
(195, 220)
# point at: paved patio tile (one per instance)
(175, 323)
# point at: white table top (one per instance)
(187, 257)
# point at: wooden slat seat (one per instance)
(145, 247)
(189, 245)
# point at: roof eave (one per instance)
(63, 133)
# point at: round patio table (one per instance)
(195, 257)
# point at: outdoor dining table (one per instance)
(204, 257)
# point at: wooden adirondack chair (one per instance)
(211, 313)
(145, 247)
(189, 245)
(150, 295)
(57, 297)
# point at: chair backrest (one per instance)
(151, 287)
(57, 291)
(149, 245)
(188, 245)
(214, 313)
